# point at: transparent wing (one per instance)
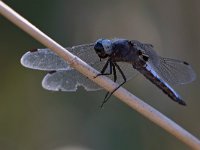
(70, 80)
(45, 59)
(175, 71)
(170, 70)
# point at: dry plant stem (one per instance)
(125, 96)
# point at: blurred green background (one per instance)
(32, 118)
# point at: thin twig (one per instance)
(125, 96)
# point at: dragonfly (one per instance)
(120, 59)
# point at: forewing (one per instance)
(175, 71)
(45, 59)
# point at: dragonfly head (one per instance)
(103, 48)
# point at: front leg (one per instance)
(104, 69)
(109, 94)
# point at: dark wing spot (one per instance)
(185, 63)
(51, 72)
(33, 50)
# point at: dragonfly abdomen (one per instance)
(166, 88)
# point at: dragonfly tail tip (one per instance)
(181, 102)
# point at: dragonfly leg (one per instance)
(108, 95)
(104, 69)
(115, 79)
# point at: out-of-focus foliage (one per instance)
(32, 118)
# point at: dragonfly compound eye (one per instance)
(99, 49)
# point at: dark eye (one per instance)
(98, 47)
